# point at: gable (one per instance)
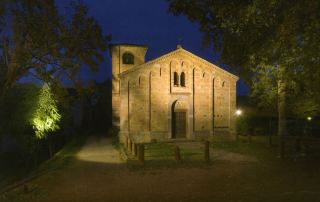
(184, 58)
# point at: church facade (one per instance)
(175, 96)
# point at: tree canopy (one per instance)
(47, 41)
(273, 45)
(250, 33)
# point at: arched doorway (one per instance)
(179, 119)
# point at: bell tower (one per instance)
(123, 58)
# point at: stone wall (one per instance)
(203, 93)
(118, 67)
(148, 95)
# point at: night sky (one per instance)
(146, 22)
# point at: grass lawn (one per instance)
(192, 153)
(162, 155)
(259, 174)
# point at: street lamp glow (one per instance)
(309, 118)
(238, 112)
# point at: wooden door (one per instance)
(179, 125)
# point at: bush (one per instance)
(256, 125)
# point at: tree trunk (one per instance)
(282, 126)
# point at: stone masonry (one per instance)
(177, 95)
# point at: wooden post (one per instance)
(130, 145)
(135, 152)
(25, 189)
(141, 154)
(127, 142)
(298, 145)
(306, 147)
(282, 147)
(206, 151)
(270, 140)
(177, 155)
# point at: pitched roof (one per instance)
(178, 50)
(127, 44)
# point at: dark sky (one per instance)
(146, 22)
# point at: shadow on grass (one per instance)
(64, 156)
(58, 161)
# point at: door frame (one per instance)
(178, 105)
(174, 124)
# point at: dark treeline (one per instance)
(260, 121)
(81, 114)
(37, 40)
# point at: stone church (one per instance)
(175, 96)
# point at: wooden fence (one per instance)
(138, 151)
(282, 142)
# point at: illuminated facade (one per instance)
(177, 95)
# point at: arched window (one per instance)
(127, 58)
(183, 79)
(175, 79)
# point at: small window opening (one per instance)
(127, 58)
(175, 79)
(183, 79)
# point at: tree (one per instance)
(48, 43)
(46, 117)
(273, 45)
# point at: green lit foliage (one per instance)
(264, 87)
(46, 117)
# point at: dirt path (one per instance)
(97, 174)
(99, 150)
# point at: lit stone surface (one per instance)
(147, 105)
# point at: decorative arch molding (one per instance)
(174, 64)
(180, 106)
(153, 73)
(204, 75)
(217, 81)
(224, 84)
(142, 81)
(179, 122)
(186, 64)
